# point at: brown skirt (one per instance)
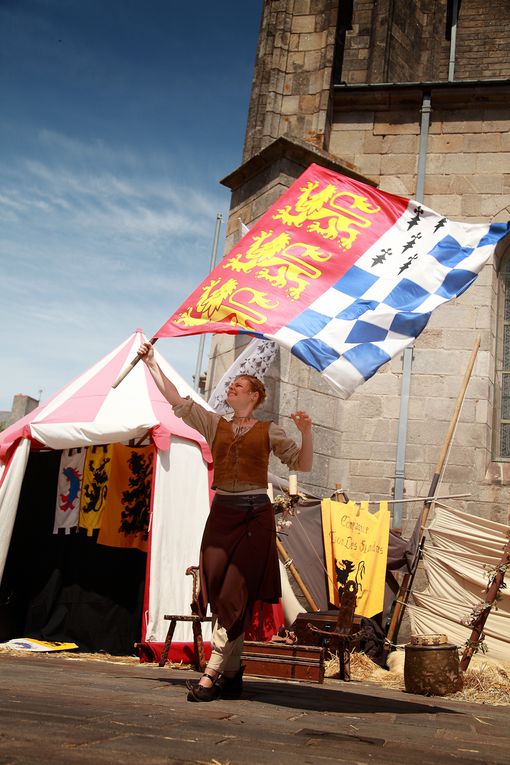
(238, 562)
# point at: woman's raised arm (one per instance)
(167, 388)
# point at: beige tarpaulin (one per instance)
(430, 606)
(451, 529)
(460, 549)
(356, 548)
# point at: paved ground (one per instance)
(55, 710)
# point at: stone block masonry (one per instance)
(370, 125)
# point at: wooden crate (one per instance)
(284, 662)
(324, 621)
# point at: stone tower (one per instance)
(415, 98)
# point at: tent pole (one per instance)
(287, 562)
(491, 595)
(131, 366)
(407, 581)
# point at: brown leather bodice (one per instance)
(242, 459)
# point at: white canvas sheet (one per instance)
(451, 529)
(290, 604)
(181, 496)
(433, 613)
(68, 435)
(9, 497)
(459, 578)
(460, 548)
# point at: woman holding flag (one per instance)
(238, 556)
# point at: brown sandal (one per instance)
(197, 692)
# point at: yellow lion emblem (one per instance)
(280, 262)
(324, 206)
(228, 303)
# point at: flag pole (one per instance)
(132, 364)
(201, 344)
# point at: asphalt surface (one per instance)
(56, 709)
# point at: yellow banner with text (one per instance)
(356, 547)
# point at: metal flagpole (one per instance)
(201, 344)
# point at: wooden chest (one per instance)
(324, 620)
(282, 661)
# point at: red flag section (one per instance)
(300, 247)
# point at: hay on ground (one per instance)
(485, 681)
(74, 655)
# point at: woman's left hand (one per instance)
(303, 421)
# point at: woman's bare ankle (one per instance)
(208, 678)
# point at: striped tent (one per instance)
(89, 412)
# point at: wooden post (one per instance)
(287, 562)
(490, 596)
(407, 581)
(340, 495)
(130, 366)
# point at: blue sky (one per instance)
(118, 119)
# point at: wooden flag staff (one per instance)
(407, 582)
(130, 366)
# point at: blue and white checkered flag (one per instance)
(342, 274)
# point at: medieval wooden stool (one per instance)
(196, 623)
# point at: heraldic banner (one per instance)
(342, 274)
(356, 548)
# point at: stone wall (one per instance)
(396, 41)
(483, 40)
(401, 41)
(374, 130)
(292, 82)
(21, 406)
(468, 178)
(305, 46)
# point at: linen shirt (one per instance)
(206, 422)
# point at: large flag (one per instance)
(342, 274)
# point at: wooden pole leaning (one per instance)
(287, 562)
(132, 364)
(408, 579)
(491, 594)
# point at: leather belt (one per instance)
(242, 502)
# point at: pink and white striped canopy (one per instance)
(90, 411)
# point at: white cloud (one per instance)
(93, 245)
(93, 151)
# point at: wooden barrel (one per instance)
(432, 670)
